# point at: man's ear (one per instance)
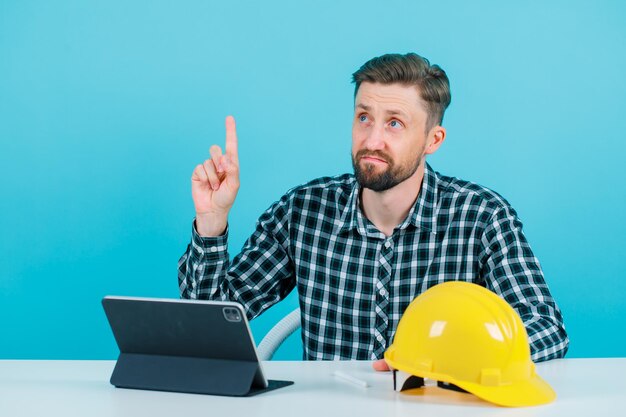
(436, 136)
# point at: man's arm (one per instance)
(260, 276)
(511, 270)
(202, 268)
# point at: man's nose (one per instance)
(376, 137)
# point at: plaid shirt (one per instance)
(354, 282)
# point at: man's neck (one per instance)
(387, 209)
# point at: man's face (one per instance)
(388, 134)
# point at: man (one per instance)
(359, 248)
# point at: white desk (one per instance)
(585, 387)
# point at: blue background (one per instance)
(106, 107)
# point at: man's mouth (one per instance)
(369, 158)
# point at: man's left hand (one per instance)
(380, 365)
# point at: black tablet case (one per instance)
(183, 346)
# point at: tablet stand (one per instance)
(189, 374)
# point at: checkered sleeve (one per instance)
(258, 277)
(202, 268)
(511, 270)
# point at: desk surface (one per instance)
(81, 388)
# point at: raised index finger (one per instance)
(231, 139)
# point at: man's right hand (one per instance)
(214, 185)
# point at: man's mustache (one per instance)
(374, 154)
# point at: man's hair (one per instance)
(410, 69)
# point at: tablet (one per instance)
(193, 346)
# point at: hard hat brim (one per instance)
(522, 393)
(533, 391)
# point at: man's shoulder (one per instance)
(324, 192)
(343, 183)
(456, 191)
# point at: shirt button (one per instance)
(382, 292)
(387, 244)
(213, 249)
(379, 338)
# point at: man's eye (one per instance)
(395, 123)
(363, 118)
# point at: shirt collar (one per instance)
(423, 214)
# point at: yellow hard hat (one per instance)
(463, 334)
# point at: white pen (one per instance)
(349, 378)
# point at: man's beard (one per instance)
(382, 181)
